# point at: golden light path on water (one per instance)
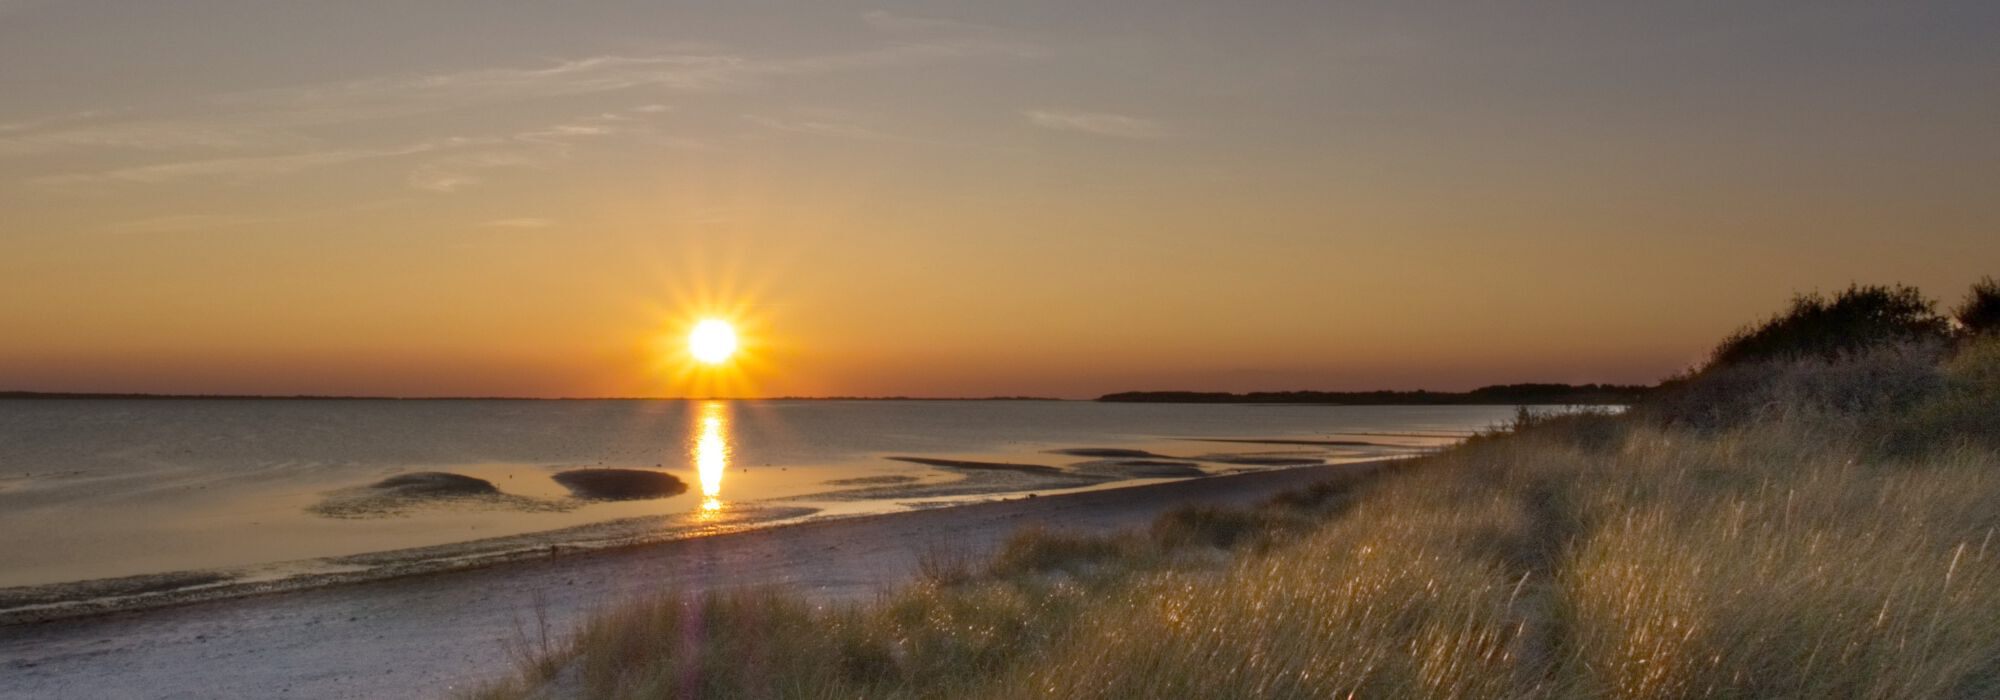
(711, 453)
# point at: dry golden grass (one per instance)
(1801, 552)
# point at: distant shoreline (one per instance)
(1497, 395)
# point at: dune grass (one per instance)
(1804, 547)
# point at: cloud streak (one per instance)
(523, 222)
(900, 23)
(246, 166)
(1098, 123)
(273, 117)
(182, 222)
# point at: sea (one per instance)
(110, 500)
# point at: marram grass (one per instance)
(1793, 554)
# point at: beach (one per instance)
(428, 635)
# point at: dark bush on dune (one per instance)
(1980, 312)
(1867, 351)
(1966, 410)
(1854, 320)
(620, 484)
(1849, 388)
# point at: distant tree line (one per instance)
(1500, 394)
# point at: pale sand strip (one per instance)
(424, 635)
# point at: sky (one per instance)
(1053, 198)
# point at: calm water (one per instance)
(97, 489)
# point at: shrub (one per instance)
(1037, 551)
(1850, 389)
(1966, 411)
(1980, 312)
(1856, 319)
(1223, 528)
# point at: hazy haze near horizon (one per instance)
(965, 199)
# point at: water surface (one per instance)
(94, 489)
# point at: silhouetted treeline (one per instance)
(1502, 394)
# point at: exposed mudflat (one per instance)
(978, 478)
(55, 601)
(884, 480)
(1262, 460)
(435, 634)
(1274, 441)
(976, 465)
(404, 493)
(1107, 452)
(620, 484)
(1140, 468)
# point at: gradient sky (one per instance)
(957, 198)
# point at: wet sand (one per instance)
(424, 636)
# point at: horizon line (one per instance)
(24, 394)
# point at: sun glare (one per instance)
(712, 341)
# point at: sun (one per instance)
(713, 341)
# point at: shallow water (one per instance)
(109, 488)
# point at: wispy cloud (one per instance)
(406, 95)
(459, 172)
(819, 128)
(530, 148)
(276, 117)
(246, 166)
(284, 131)
(1099, 123)
(524, 222)
(181, 222)
(914, 24)
(38, 137)
(457, 169)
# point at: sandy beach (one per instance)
(439, 632)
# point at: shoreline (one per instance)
(82, 598)
(441, 629)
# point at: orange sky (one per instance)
(963, 200)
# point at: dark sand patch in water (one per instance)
(434, 484)
(403, 493)
(980, 478)
(1261, 460)
(1139, 468)
(885, 480)
(970, 464)
(1109, 452)
(620, 484)
(1274, 441)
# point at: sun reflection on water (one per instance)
(711, 454)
